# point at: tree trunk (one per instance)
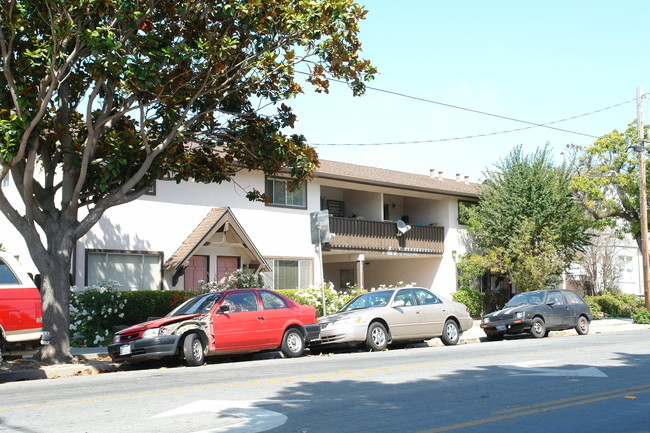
(55, 292)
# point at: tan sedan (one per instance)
(379, 318)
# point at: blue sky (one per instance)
(537, 61)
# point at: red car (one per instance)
(228, 322)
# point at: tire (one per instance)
(450, 333)
(538, 330)
(293, 343)
(582, 328)
(194, 350)
(377, 337)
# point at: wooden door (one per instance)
(196, 270)
(226, 266)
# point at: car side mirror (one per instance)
(224, 309)
(398, 304)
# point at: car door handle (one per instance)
(261, 317)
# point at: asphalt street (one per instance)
(596, 383)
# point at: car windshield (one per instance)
(200, 304)
(531, 298)
(368, 300)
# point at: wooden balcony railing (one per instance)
(362, 235)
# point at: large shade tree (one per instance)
(98, 98)
(527, 226)
(607, 181)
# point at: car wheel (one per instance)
(582, 328)
(377, 337)
(450, 334)
(538, 330)
(193, 350)
(293, 343)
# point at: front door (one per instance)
(196, 270)
(226, 266)
(406, 321)
(241, 328)
(560, 316)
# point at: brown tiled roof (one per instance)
(212, 222)
(344, 171)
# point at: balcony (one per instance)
(351, 234)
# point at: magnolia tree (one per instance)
(99, 98)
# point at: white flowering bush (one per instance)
(334, 300)
(240, 279)
(93, 312)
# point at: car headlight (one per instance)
(116, 338)
(486, 320)
(347, 322)
(149, 333)
(519, 315)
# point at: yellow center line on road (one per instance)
(336, 374)
(642, 388)
(545, 407)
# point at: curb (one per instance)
(84, 368)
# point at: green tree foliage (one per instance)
(98, 98)
(607, 180)
(527, 225)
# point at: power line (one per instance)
(430, 101)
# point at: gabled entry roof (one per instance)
(217, 220)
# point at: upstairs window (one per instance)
(277, 190)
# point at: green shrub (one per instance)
(613, 303)
(594, 306)
(641, 315)
(143, 304)
(612, 306)
(473, 300)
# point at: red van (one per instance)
(21, 311)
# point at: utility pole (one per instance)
(643, 199)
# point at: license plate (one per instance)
(125, 350)
(501, 327)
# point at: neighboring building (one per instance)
(182, 233)
(608, 262)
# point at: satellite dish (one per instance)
(402, 227)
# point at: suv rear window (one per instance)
(7, 276)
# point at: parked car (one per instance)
(538, 313)
(228, 322)
(383, 317)
(21, 311)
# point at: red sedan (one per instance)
(229, 322)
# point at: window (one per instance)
(572, 298)
(426, 298)
(406, 295)
(626, 267)
(271, 301)
(464, 208)
(133, 270)
(289, 274)
(241, 302)
(277, 190)
(6, 274)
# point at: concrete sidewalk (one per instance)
(95, 360)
